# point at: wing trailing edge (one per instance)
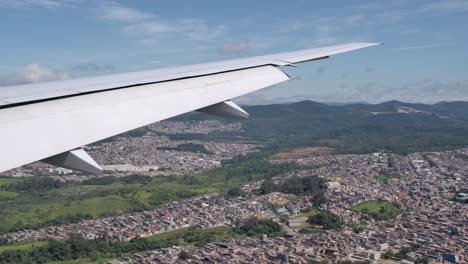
(227, 109)
(50, 121)
(76, 159)
(36, 131)
(18, 95)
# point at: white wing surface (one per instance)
(51, 121)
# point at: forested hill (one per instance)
(393, 126)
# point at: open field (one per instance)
(78, 201)
(303, 152)
(300, 221)
(186, 237)
(77, 250)
(83, 261)
(22, 246)
(6, 195)
(58, 204)
(190, 236)
(7, 180)
(378, 210)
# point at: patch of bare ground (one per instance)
(303, 152)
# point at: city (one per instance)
(268, 131)
(428, 188)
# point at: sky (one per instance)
(424, 59)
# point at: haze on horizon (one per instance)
(423, 59)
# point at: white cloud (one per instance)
(354, 19)
(262, 99)
(391, 17)
(422, 91)
(33, 73)
(235, 47)
(39, 3)
(147, 27)
(446, 6)
(117, 13)
(93, 68)
(198, 29)
(324, 30)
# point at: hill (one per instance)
(354, 128)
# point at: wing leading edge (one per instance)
(40, 121)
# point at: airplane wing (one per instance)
(52, 121)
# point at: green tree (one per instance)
(235, 192)
(255, 226)
(326, 219)
(267, 187)
(183, 255)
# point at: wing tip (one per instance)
(369, 44)
(366, 44)
(376, 44)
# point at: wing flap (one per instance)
(36, 131)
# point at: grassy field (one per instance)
(7, 195)
(22, 246)
(303, 152)
(19, 210)
(300, 221)
(5, 181)
(378, 210)
(190, 237)
(96, 260)
(25, 203)
(29, 209)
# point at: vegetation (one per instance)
(384, 178)
(3, 241)
(379, 210)
(8, 195)
(402, 254)
(311, 185)
(22, 246)
(357, 229)
(189, 147)
(110, 180)
(308, 230)
(77, 248)
(36, 202)
(352, 128)
(195, 236)
(235, 192)
(255, 226)
(326, 219)
(35, 184)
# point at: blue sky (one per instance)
(424, 59)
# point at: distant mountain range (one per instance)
(392, 126)
(341, 104)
